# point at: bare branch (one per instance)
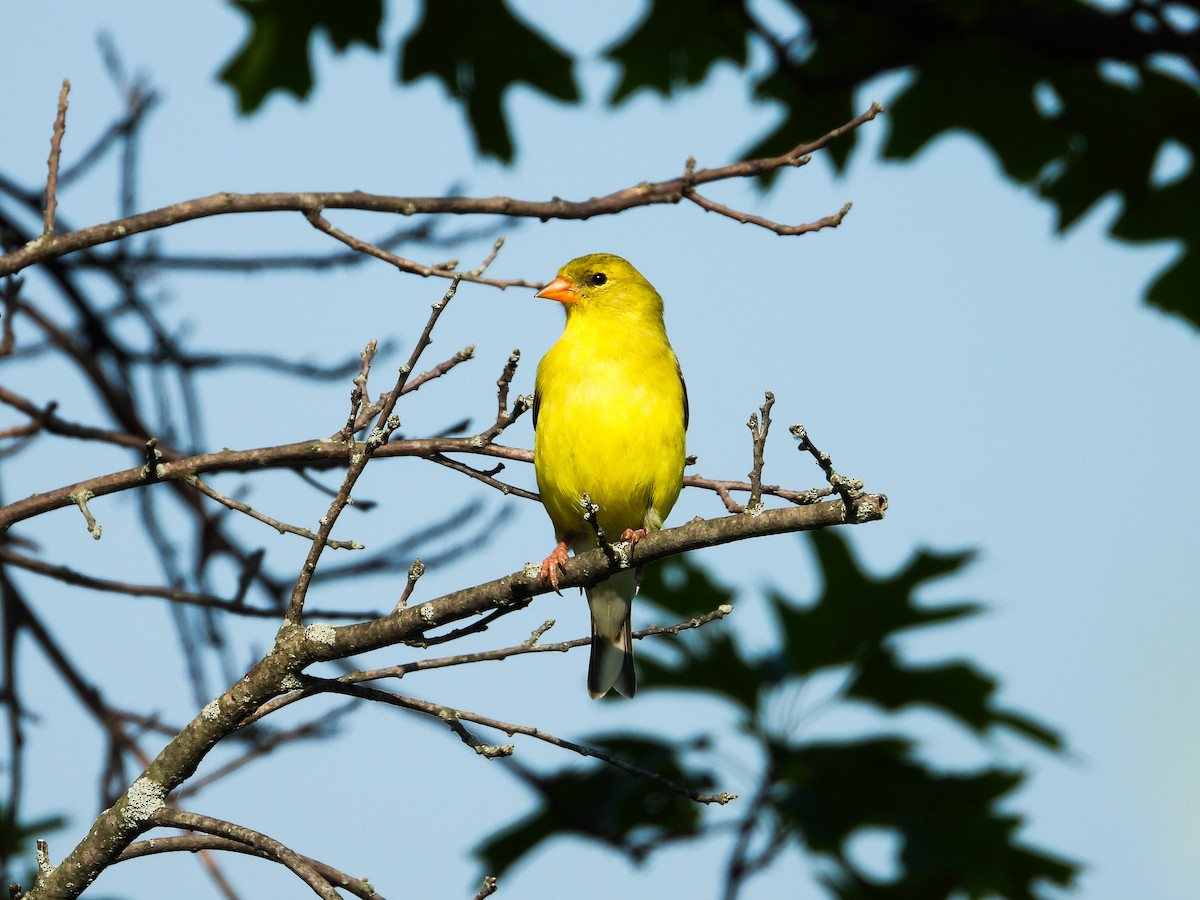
(530, 645)
(297, 647)
(320, 727)
(722, 489)
(312, 203)
(269, 847)
(281, 527)
(60, 128)
(449, 714)
(175, 595)
(319, 222)
(487, 477)
(759, 433)
(415, 571)
(849, 489)
(746, 218)
(9, 292)
(192, 843)
(80, 499)
(467, 352)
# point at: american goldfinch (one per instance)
(609, 415)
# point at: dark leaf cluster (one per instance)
(954, 829)
(1078, 101)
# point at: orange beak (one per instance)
(559, 289)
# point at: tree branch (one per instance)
(192, 843)
(269, 847)
(56, 139)
(297, 647)
(51, 246)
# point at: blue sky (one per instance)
(1005, 387)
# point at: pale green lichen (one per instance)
(320, 632)
(143, 798)
(290, 682)
(211, 710)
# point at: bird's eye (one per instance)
(598, 278)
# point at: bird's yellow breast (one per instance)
(610, 424)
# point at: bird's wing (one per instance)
(682, 384)
(537, 402)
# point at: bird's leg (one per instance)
(633, 535)
(552, 564)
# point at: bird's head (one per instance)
(602, 283)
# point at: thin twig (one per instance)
(9, 292)
(530, 645)
(487, 477)
(319, 222)
(385, 425)
(591, 515)
(320, 727)
(849, 489)
(176, 595)
(80, 499)
(467, 352)
(415, 571)
(832, 221)
(191, 843)
(282, 527)
(759, 434)
(722, 489)
(487, 751)
(273, 849)
(358, 394)
(56, 139)
(502, 383)
(444, 712)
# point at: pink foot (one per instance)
(552, 564)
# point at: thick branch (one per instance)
(320, 453)
(588, 569)
(296, 648)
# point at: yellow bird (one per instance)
(609, 413)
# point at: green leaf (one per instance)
(707, 660)
(275, 56)
(855, 612)
(956, 839)
(1177, 290)
(677, 45)
(19, 839)
(680, 587)
(955, 88)
(606, 804)
(477, 51)
(809, 112)
(957, 689)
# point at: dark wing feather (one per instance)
(682, 384)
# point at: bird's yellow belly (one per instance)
(621, 441)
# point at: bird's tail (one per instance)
(611, 665)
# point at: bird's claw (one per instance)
(552, 564)
(633, 535)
